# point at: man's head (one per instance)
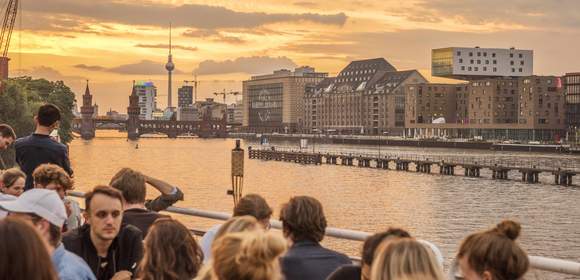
(43, 208)
(372, 243)
(48, 116)
(52, 177)
(256, 206)
(104, 212)
(131, 184)
(7, 136)
(303, 219)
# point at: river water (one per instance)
(441, 209)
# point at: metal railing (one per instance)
(536, 262)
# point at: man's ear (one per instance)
(86, 216)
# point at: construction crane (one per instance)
(225, 93)
(195, 83)
(7, 27)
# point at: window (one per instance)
(487, 62)
(484, 68)
(469, 69)
(458, 53)
(478, 53)
(513, 70)
(520, 70)
(511, 55)
(461, 60)
(471, 61)
(494, 69)
(512, 62)
(476, 68)
(485, 54)
(478, 61)
(493, 55)
(470, 54)
(462, 68)
(520, 55)
(494, 61)
(522, 62)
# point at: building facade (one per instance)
(572, 83)
(235, 113)
(185, 96)
(275, 102)
(147, 93)
(366, 97)
(476, 63)
(525, 108)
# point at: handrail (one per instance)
(536, 262)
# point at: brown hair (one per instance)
(9, 176)
(104, 190)
(131, 183)
(405, 258)
(253, 205)
(48, 173)
(55, 232)
(237, 224)
(372, 242)
(248, 256)
(7, 132)
(303, 219)
(24, 254)
(496, 251)
(171, 253)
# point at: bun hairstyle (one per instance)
(496, 251)
(248, 256)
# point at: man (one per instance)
(39, 148)
(45, 210)
(304, 225)
(7, 137)
(139, 212)
(363, 271)
(53, 177)
(250, 205)
(111, 249)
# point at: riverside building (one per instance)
(147, 93)
(572, 83)
(366, 97)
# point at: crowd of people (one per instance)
(121, 235)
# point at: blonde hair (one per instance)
(248, 256)
(237, 224)
(405, 259)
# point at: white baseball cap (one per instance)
(42, 202)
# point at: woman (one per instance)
(405, 259)
(171, 253)
(12, 182)
(248, 256)
(24, 253)
(493, 254)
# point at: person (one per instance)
(11, 186)
(248, 256)
(24, 254)
(304, 225)
(171, 252)
(7, 137)
(363, 271)
(53, 177)
(111, 249)
(405, 258)
(45, 211)
(250, 205)
(139, 212)
(38, 148)
(493, 254)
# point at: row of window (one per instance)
(485, 54)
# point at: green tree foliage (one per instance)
(21, 98)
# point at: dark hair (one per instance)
(131, 183)
(48, 114)
(24, 255)
(303, 219)
(55, 232)
(10, 176)
(496, 251)
(48, 173)
(253, 205)
(104, 190)
(372, 242)
(171, 252)
(6, 131)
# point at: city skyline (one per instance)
(226, 42)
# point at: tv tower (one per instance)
(169, 67)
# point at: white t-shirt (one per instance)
(207, 240)
(5, 197)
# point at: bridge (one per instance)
(86, 125)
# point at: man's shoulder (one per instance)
(74, 267)
(129, 232)
(22, 141)
(72, 240)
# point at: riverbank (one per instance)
(407, 142)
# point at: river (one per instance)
(441, 209)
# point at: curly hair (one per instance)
(48, 173)
(303, 219)
(171, 252)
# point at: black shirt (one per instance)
(37, 149)
(141, 218)
(307, 260)
(346, 272)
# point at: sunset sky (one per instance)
(112, 42)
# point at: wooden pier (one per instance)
(530, 173)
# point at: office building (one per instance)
(185, 96)
(147, 93)
(572, 84)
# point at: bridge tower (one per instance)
(133, 112)
(87, 111)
